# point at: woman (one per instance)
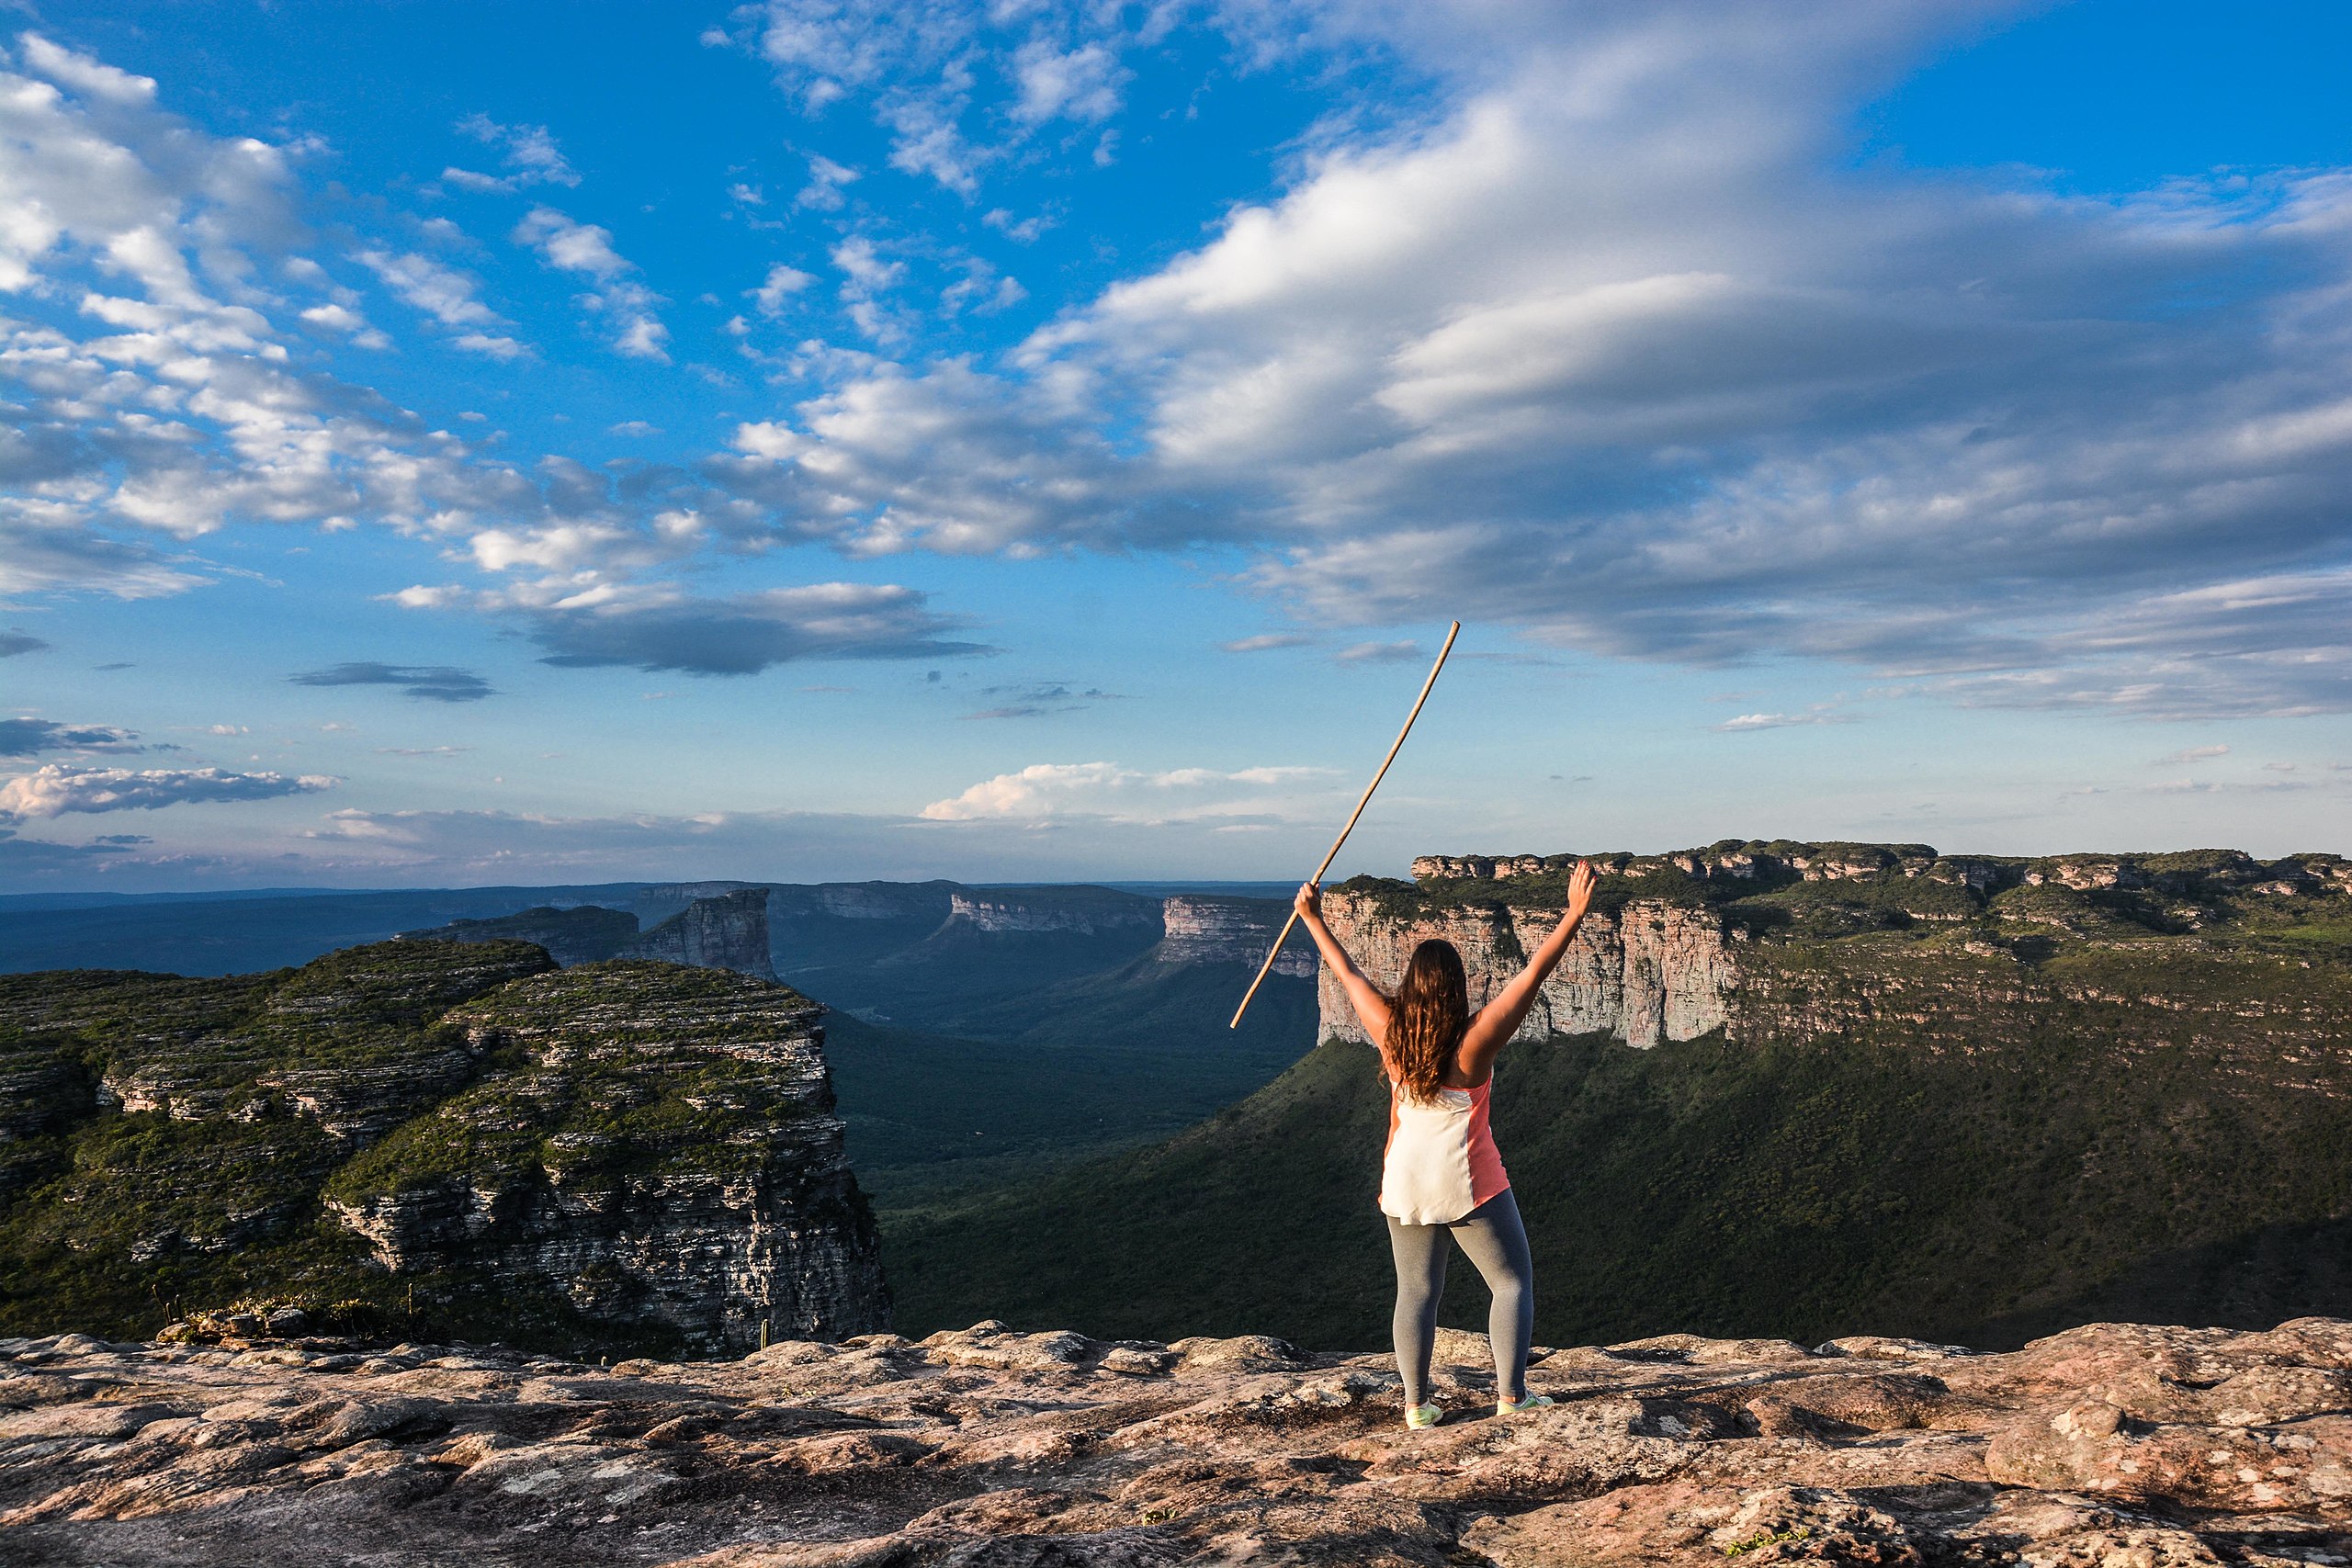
(1441, 1172)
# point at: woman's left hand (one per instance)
(1309, 902)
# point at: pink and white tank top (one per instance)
(1441, 1160)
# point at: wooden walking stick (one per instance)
(1268, 966)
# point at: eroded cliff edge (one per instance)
(1731, 935)
(628, 1153)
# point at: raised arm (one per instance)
(1500, 1018)
(1371, 1008)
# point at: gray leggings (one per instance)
(1491, 1234)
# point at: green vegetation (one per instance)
(173, 1145)
(1905, 1137)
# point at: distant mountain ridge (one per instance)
(728, 930)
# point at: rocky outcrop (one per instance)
(729, 930)
(2106, 1447)
(1202, 930)
(1682, 943)
(2183, 872)
(1646, 973)
(1087, 911)
(628, 1153)
(667, 1158)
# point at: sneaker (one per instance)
(1421, 1418)
(1512, 1407)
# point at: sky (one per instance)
(454, 445)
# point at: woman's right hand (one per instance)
(1309, 902)
(1580, 889)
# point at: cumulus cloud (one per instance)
(586, 249)
(59, 789)
(1266, 641)
(24, 737)
(1081, 84)
(782, 283)
(1044, 793)
(1531, 353)
(427, 682)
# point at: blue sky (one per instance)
(1042, 440)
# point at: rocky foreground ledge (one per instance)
(2106, 1447)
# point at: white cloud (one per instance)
(529, 152)
(1081, 85)
(335, 317)
(1044, 793)
(441, 292)
(1776, 721)
(587, 249)
(782, 283)
(2197, 754)
(60, 789)
(1617, 349)
(826, 179)
(492, 345)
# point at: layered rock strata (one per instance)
(2106, 1447)
(1764, 859)
(1086, 910)
(664, 1154)
(1740, 934)
(619, 1153)
(1646, 973)
(1202, 930)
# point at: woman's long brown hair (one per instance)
(1427, 1020)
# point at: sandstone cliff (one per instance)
(2105, 1446)
(729, 930)
(1645, 971)
(1199, 929)
(621, 1152)
(1087, 911)
(1683, 943)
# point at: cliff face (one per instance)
(2108, 1447)
(727, 931)
(626, 1153)
(1200, 929)
(1740, 936)
(1083, 909)
(1645, 973)
(662, 1153)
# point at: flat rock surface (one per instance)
(2107, 1447)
